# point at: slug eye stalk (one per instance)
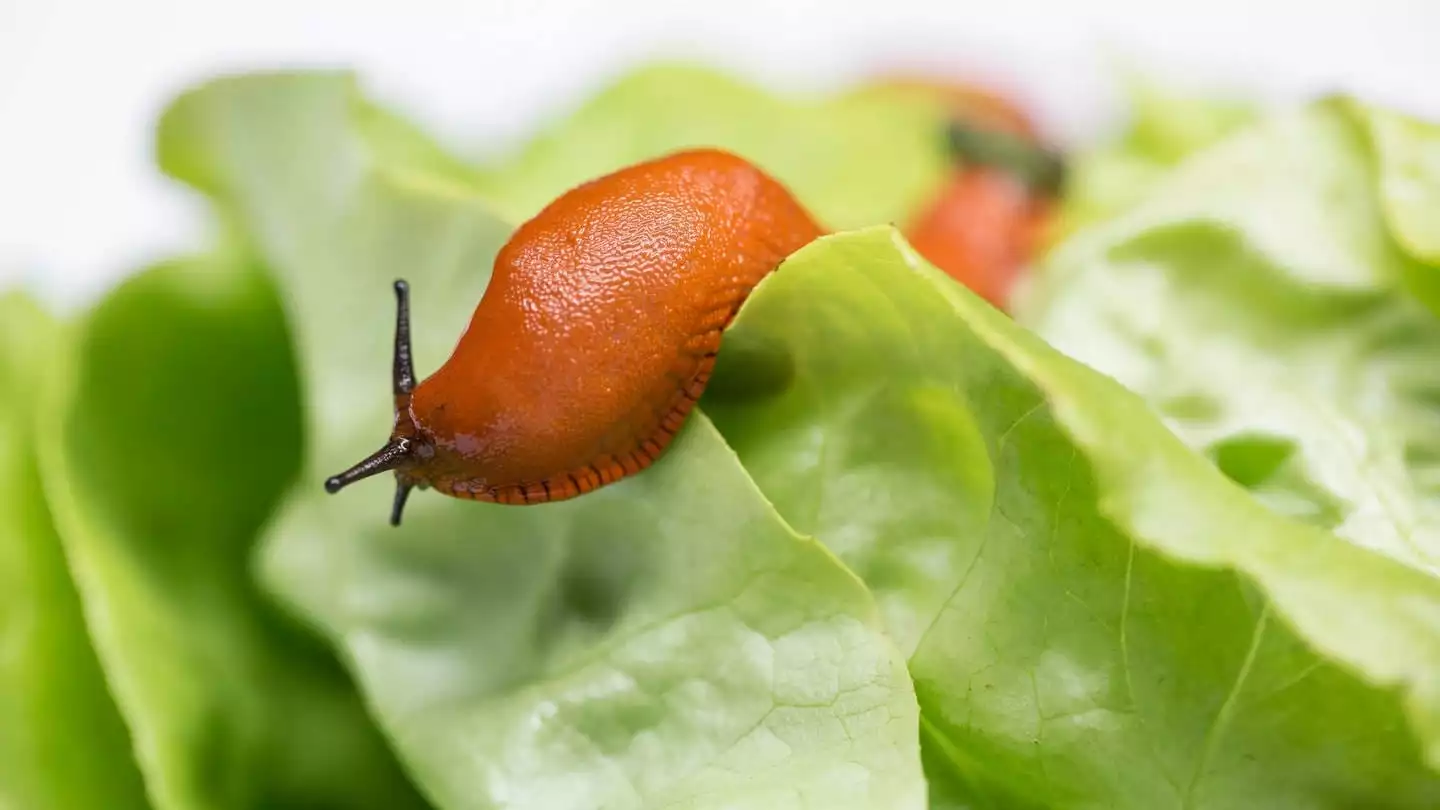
(399, 449)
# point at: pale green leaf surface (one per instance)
(170, 433)
(665, 642)
(1168, 125)
(62, 742)
(853, 159)
(1165, 126)
(1259, 303)
(1408, 150)
(1094, 616)
(398, 144)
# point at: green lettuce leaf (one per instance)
(667, 641)
(854, 159)
(1094, 616)
(1408, 150)
(1165, 126)
(62, 743)
(1259, 302)
(169, 435)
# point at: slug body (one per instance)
(597, 333)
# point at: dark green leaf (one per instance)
(170, 437)
(62, 743)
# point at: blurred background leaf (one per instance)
(667, 641)
(62, 742)
(854, 159)
(170, 435)
(1093, 616)
(1165, 125)
(1408, 154)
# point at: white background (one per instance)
(82, 80)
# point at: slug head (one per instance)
(401, 451)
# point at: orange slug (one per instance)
(595, 337)
(990, 218)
